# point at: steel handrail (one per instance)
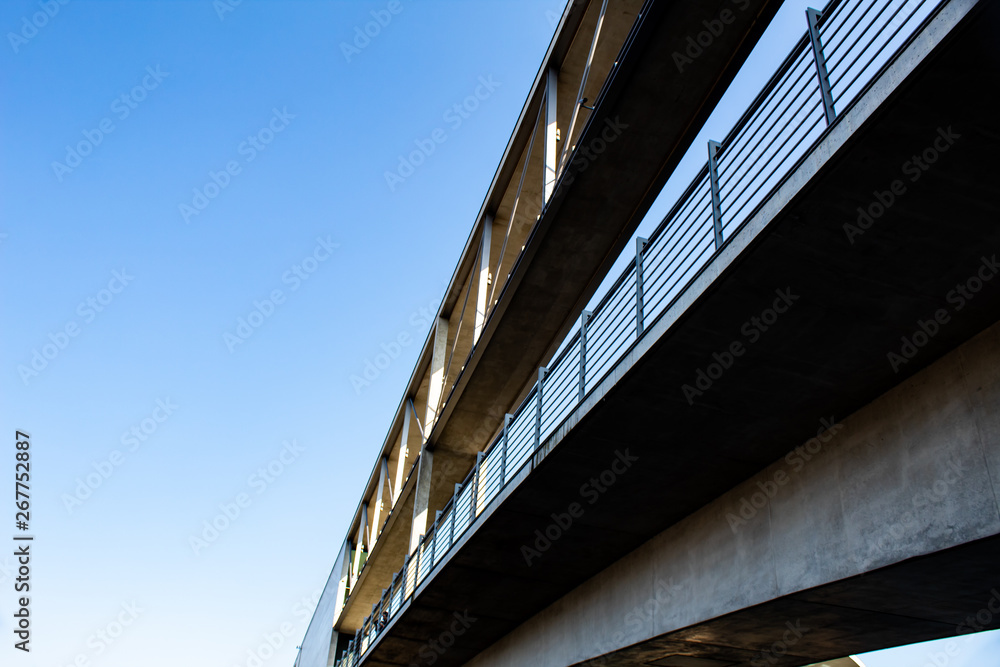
(673, 264)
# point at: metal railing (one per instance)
(843, 49)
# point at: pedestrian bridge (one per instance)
(774, 440)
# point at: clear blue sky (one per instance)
(167, 169)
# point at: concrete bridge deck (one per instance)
(850, 302)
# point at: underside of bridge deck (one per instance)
(852, 303)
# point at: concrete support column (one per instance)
(352, 568)
(385, 482)
(345, 571)
(331, 657)
(422, 497)
(551, 133)
(435, 387)
(482, 307)
(377, 514)
(402, 465)
(422, 493)
(359, 544)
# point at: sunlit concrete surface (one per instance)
(772, 516)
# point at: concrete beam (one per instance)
(648, 113)
(854, 301)
(855, 537)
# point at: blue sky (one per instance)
(199, 250)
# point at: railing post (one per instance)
(416, 572)
(503, 449)
(454, 513)
(381, 610)
(538, 406)
(434, 543)
(713, 175)
(813, 17)
(475, 489)
(640, 244)
(584, 319)
(402, 584)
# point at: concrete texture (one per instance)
(905, 477)
(537, 305)
(826, 356)
(598, 203)
(566, 53)
(384, 560)
(319, 643)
